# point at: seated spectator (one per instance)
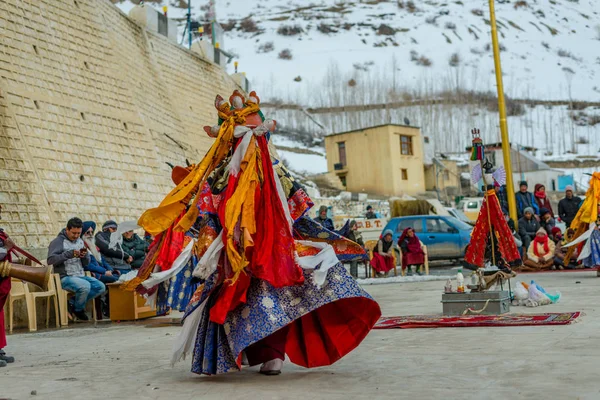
(322, 219)
(113, 253)
(540, 254)
(516, 237)
(546, 220)
(528, 227)
(542, 200)
(370, 213)
(136, 247)
(68, 255)
(383, 254)
(412, 251)
(356, 237)
(97, 266)
(560, 252)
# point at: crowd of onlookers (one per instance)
(106, 255)
(538, 238)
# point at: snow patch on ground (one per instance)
(403, 279)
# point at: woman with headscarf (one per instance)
(540, 254)
(542, 200)
(412, 252)
(383, 254)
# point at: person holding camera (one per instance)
(68, 254)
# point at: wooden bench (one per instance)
(127, 306)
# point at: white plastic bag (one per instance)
(520, 293)
(538, 297)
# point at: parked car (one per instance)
(470, 206)
(445, 237)
(459, 215)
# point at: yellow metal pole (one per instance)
(510, 188)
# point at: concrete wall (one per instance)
(91, 107)
(374, 162)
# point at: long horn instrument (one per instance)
(39, 276)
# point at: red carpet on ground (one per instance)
(551, 271)
(466, 321)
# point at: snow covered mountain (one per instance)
(551, 48)
(329, 53)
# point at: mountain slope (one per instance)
(551, 47)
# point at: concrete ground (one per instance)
(127, 361)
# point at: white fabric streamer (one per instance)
(587, 249)
(179, 263)
(208, 263)
(238, 155)
(326, 257)
(184, 343)
(128, 276)
(151, 300)
(117, 236)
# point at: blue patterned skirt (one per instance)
(325, 323)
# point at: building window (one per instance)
(343, 180)
(342, 153)
(404, 174)
(426, 139)
(446, 176)
(406, 147)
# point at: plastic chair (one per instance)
(370, 245)
(50, 294)
(20, 291)
(425, 264)
(63, 301)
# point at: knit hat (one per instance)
(528, 210)
(387, 232)
(523, 183)
(544, 211)
(109, 224)
(87, 225)
(556, 230)
(569, 187)
(541, 230)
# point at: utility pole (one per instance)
(510, 187)
(189, 24)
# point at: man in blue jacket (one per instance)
(525, 199)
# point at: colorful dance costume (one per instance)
(269, 279)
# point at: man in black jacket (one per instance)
(528, 227)
(114, 256)
(569, 206)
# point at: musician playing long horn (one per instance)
(5, 246)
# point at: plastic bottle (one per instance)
(460, 281)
